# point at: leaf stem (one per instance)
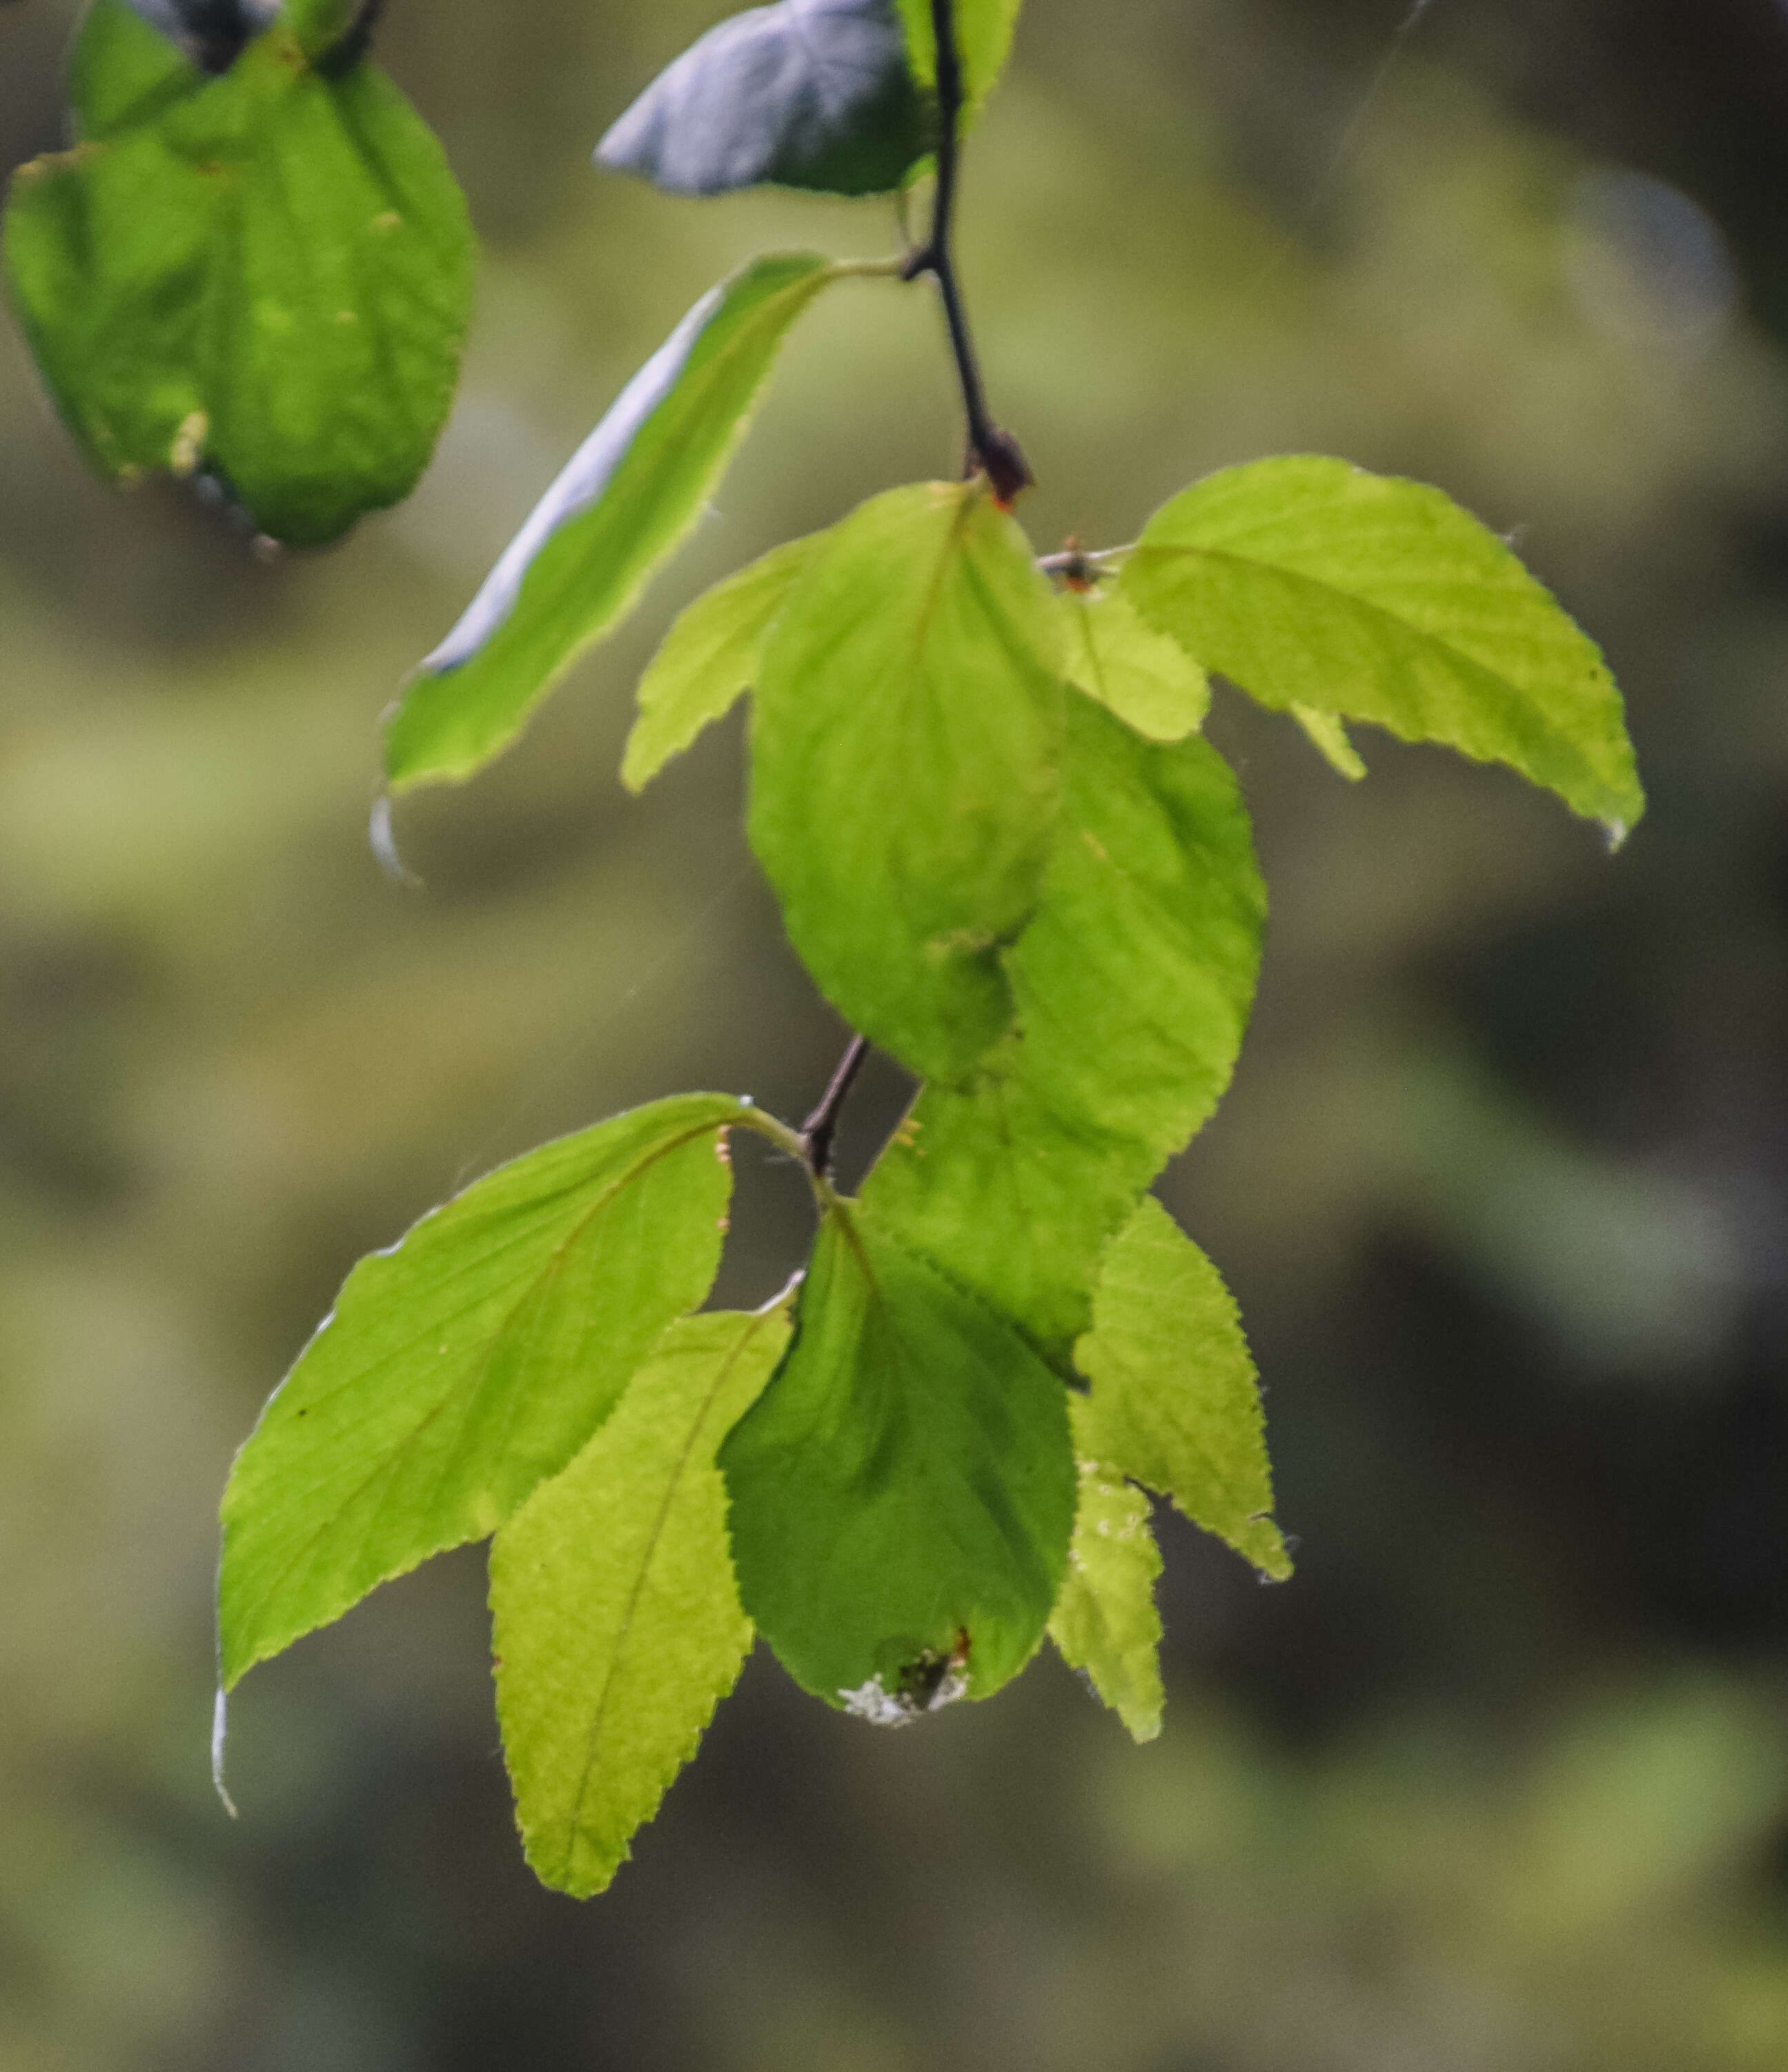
(821, 1127)
(995, 452)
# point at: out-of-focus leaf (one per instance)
(903, 1492)
(468, 1364)
(984, 40)
(906, 766)
(263, 276)
(1329, 738)
(1310, 582)
(211, 33)
(1176, 1401)
(626, 499)
(1133, 983)
(808, 93)
(1105, 1622)
(122, 73)
(709, 659)
(616, 1621)
(1145, 678)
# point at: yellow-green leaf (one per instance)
(616, 1621)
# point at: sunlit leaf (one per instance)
(708, 659)
(1133, 984)
(1329, 738)
(122, 73)
(806, 93)
(1145, 678)
(1310, 582)
(264, 277)
(467, 1364)
(984, 40)
(906, 753)
(624, 501)
(1176, 1402)
(616, 1621)
(903, 1492)
(1105, 1622)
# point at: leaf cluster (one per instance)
(1002, 849)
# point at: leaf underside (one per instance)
(806, 93)
(463, 1367)
(623, 502)
(1175, 1401)
(1310, 583)
(617, 1625)
(1105, 1623)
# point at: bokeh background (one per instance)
(1499, 1783)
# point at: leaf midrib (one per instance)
(468, 1383)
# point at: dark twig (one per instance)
(821, 1127)
(353, 44)
(990, 449)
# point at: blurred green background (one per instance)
(1499, 1783)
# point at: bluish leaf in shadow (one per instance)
(808, 93)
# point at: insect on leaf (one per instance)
(808, 93)
(1105, 1622)
(903, 1492)
(617, 1625)
(1132, 984)
(1145, 678)
(467, 1364)
(906, 766)
(1307, 582)
(1176, 1402)
(624, 501)
(708, 659)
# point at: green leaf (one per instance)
(1147, 679)
(808, 93)
(617, 1621)
(468, 1364)
(709, 659)
(984, 40)
(1133, 984)
(265, 276)
(1176, 1402)
(903, 1492)
(1310, 582)
(122, 73)
(1105, 1621)
(906, 753)
(320, 25)
(624, 502)
(1329, 738)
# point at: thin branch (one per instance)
(821, 1127)
(990, 449)
(354, 43)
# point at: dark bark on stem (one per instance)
(994, 451)
(821, 1127)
